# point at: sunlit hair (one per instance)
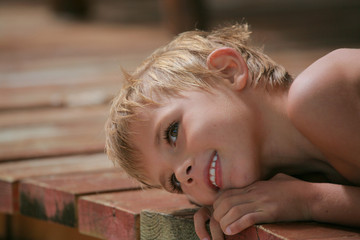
(178, 66)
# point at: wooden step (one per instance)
(54, 197)
(117, 215)
(34, 134)
(162, 224)
(12, 173)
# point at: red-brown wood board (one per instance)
(54, 197)
(42, 134)
(116, 215)
(11, 173)
(305, 231)
(80, 83)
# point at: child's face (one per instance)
(180, 139)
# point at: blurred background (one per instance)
(60, 60)
(56, 53)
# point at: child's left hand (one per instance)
(282, 198)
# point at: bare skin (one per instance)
(314, 128)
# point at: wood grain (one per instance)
(11, 173)
(29, 134)
(117, 216)
(54, 197)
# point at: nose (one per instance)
(184, 173)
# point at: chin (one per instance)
(204, 200)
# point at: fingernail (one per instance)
(228, 231)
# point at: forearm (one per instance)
(336, 204)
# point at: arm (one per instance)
(324, 105)
(338, 204)
(285, 199)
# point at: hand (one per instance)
(282, 198)
(201, 217)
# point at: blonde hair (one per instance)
(180, 65)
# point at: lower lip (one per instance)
(218, 178)
(217, 173)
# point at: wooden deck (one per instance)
(56, 80)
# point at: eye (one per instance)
(171, 133)
(175, 184)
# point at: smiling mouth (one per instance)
(214, 171)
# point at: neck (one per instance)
(283, 148)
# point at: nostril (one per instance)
(188, 170)
(189, 180)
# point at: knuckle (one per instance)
(235, 212)
(216, 216)
(249, 220)
(227, 204)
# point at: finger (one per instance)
(200, 219)
(234, 214)
(245, 222)
(227, 194)
(222, 208)
(215, 229)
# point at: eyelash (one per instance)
(174, 184)
(173, 126)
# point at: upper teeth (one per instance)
(212, 170)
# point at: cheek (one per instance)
(244, 172)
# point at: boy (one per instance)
(213, 118)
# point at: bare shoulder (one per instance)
(324, 104)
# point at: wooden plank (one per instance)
(23, 227)
(62, 39)
(179, 225)
(73, 95)
(304, 231)
(54, 197)
(13, 172)
(78, 82)
(117, 215)
(42, 133)
(162, 224)
(35, 117)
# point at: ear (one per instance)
(231, 64)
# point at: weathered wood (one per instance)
(178, 225)
(35, 117)
(304, 231)
(23, 227)
(13, 172)
(162, 224)
(63, 39)
(42, 134)
(117, 215)
(54, 197)
(80, 94)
